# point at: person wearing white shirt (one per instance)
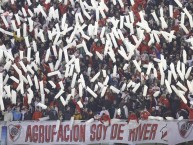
(23, 111)
(8, 115)
(36, 102)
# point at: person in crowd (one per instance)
(85, 114)
(90, 114)
(37, 114)
(60, 116)
(77, 115)
(51, 112)
(27, 115)
(68, 113)
(23, 111)
(154, 112)
(144, 114)
(17, 116)
(8, 115)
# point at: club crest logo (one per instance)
(14, 132)
(185, 128)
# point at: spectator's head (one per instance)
(26, 109)
(85, 110)
(103, 108)
(90, 111)
(9, 108)
(131, 112)
(48, 108)
(37, 109)
(77, 5)
(68, 108)
(60, 113)
(17, 108)
(76, 111)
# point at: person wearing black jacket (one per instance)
(67, 114)
(90, 114)
(154, 112)
(175, 104)
(51, 112)
(27, 114)
(112, 110)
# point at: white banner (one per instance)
(180, 131)
(120, 132)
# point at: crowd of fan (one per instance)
(121, 105)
